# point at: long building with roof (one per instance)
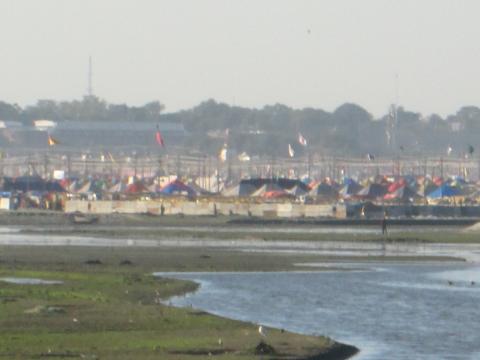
(89, 135)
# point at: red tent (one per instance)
(136, 188)
(396, 185)
(276, 194)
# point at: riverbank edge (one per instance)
(338, 350)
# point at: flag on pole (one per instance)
(389, 136)
(291, 152)
(110, 156)
(159, 138)
(223, 153)
(52, 141)
(243, 157)
(302, 140)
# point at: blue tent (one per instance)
(350, 189)
(177, 187)
(444, 191)
(372, 191)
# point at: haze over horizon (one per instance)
(423, 55)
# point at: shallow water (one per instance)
(470, 252)
(388, 311)
(29, 281)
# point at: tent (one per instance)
(396, 185)
(296, 191)
(54, 186)
(153, 188)
(198, 189)
(86, 188)
(276, 194)
(426, 187)
(177, 187)
(444, 191)
(403, 194)
(324, 190)
(372, 191)
(136, 188)
(239, 190)
(31, 183)
(280, 182)
(267, 188)
(73, 186)
(349, 189)
(118, 187)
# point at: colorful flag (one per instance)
(291, 152)
(302, 140)
(159, 138)
(223, 153)
(52, 141)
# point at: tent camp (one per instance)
(31, 183)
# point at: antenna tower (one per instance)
(90, 77)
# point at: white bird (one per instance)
(261, 331)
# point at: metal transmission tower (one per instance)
(90, 77)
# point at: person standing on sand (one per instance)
(384, 224)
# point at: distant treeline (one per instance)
(89, 108)
(350, 130)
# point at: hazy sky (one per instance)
(248, 52)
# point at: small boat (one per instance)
(81, 218)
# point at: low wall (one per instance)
(173, 207)
(407, 211)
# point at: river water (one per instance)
(407, 311)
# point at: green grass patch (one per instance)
(113, 312)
